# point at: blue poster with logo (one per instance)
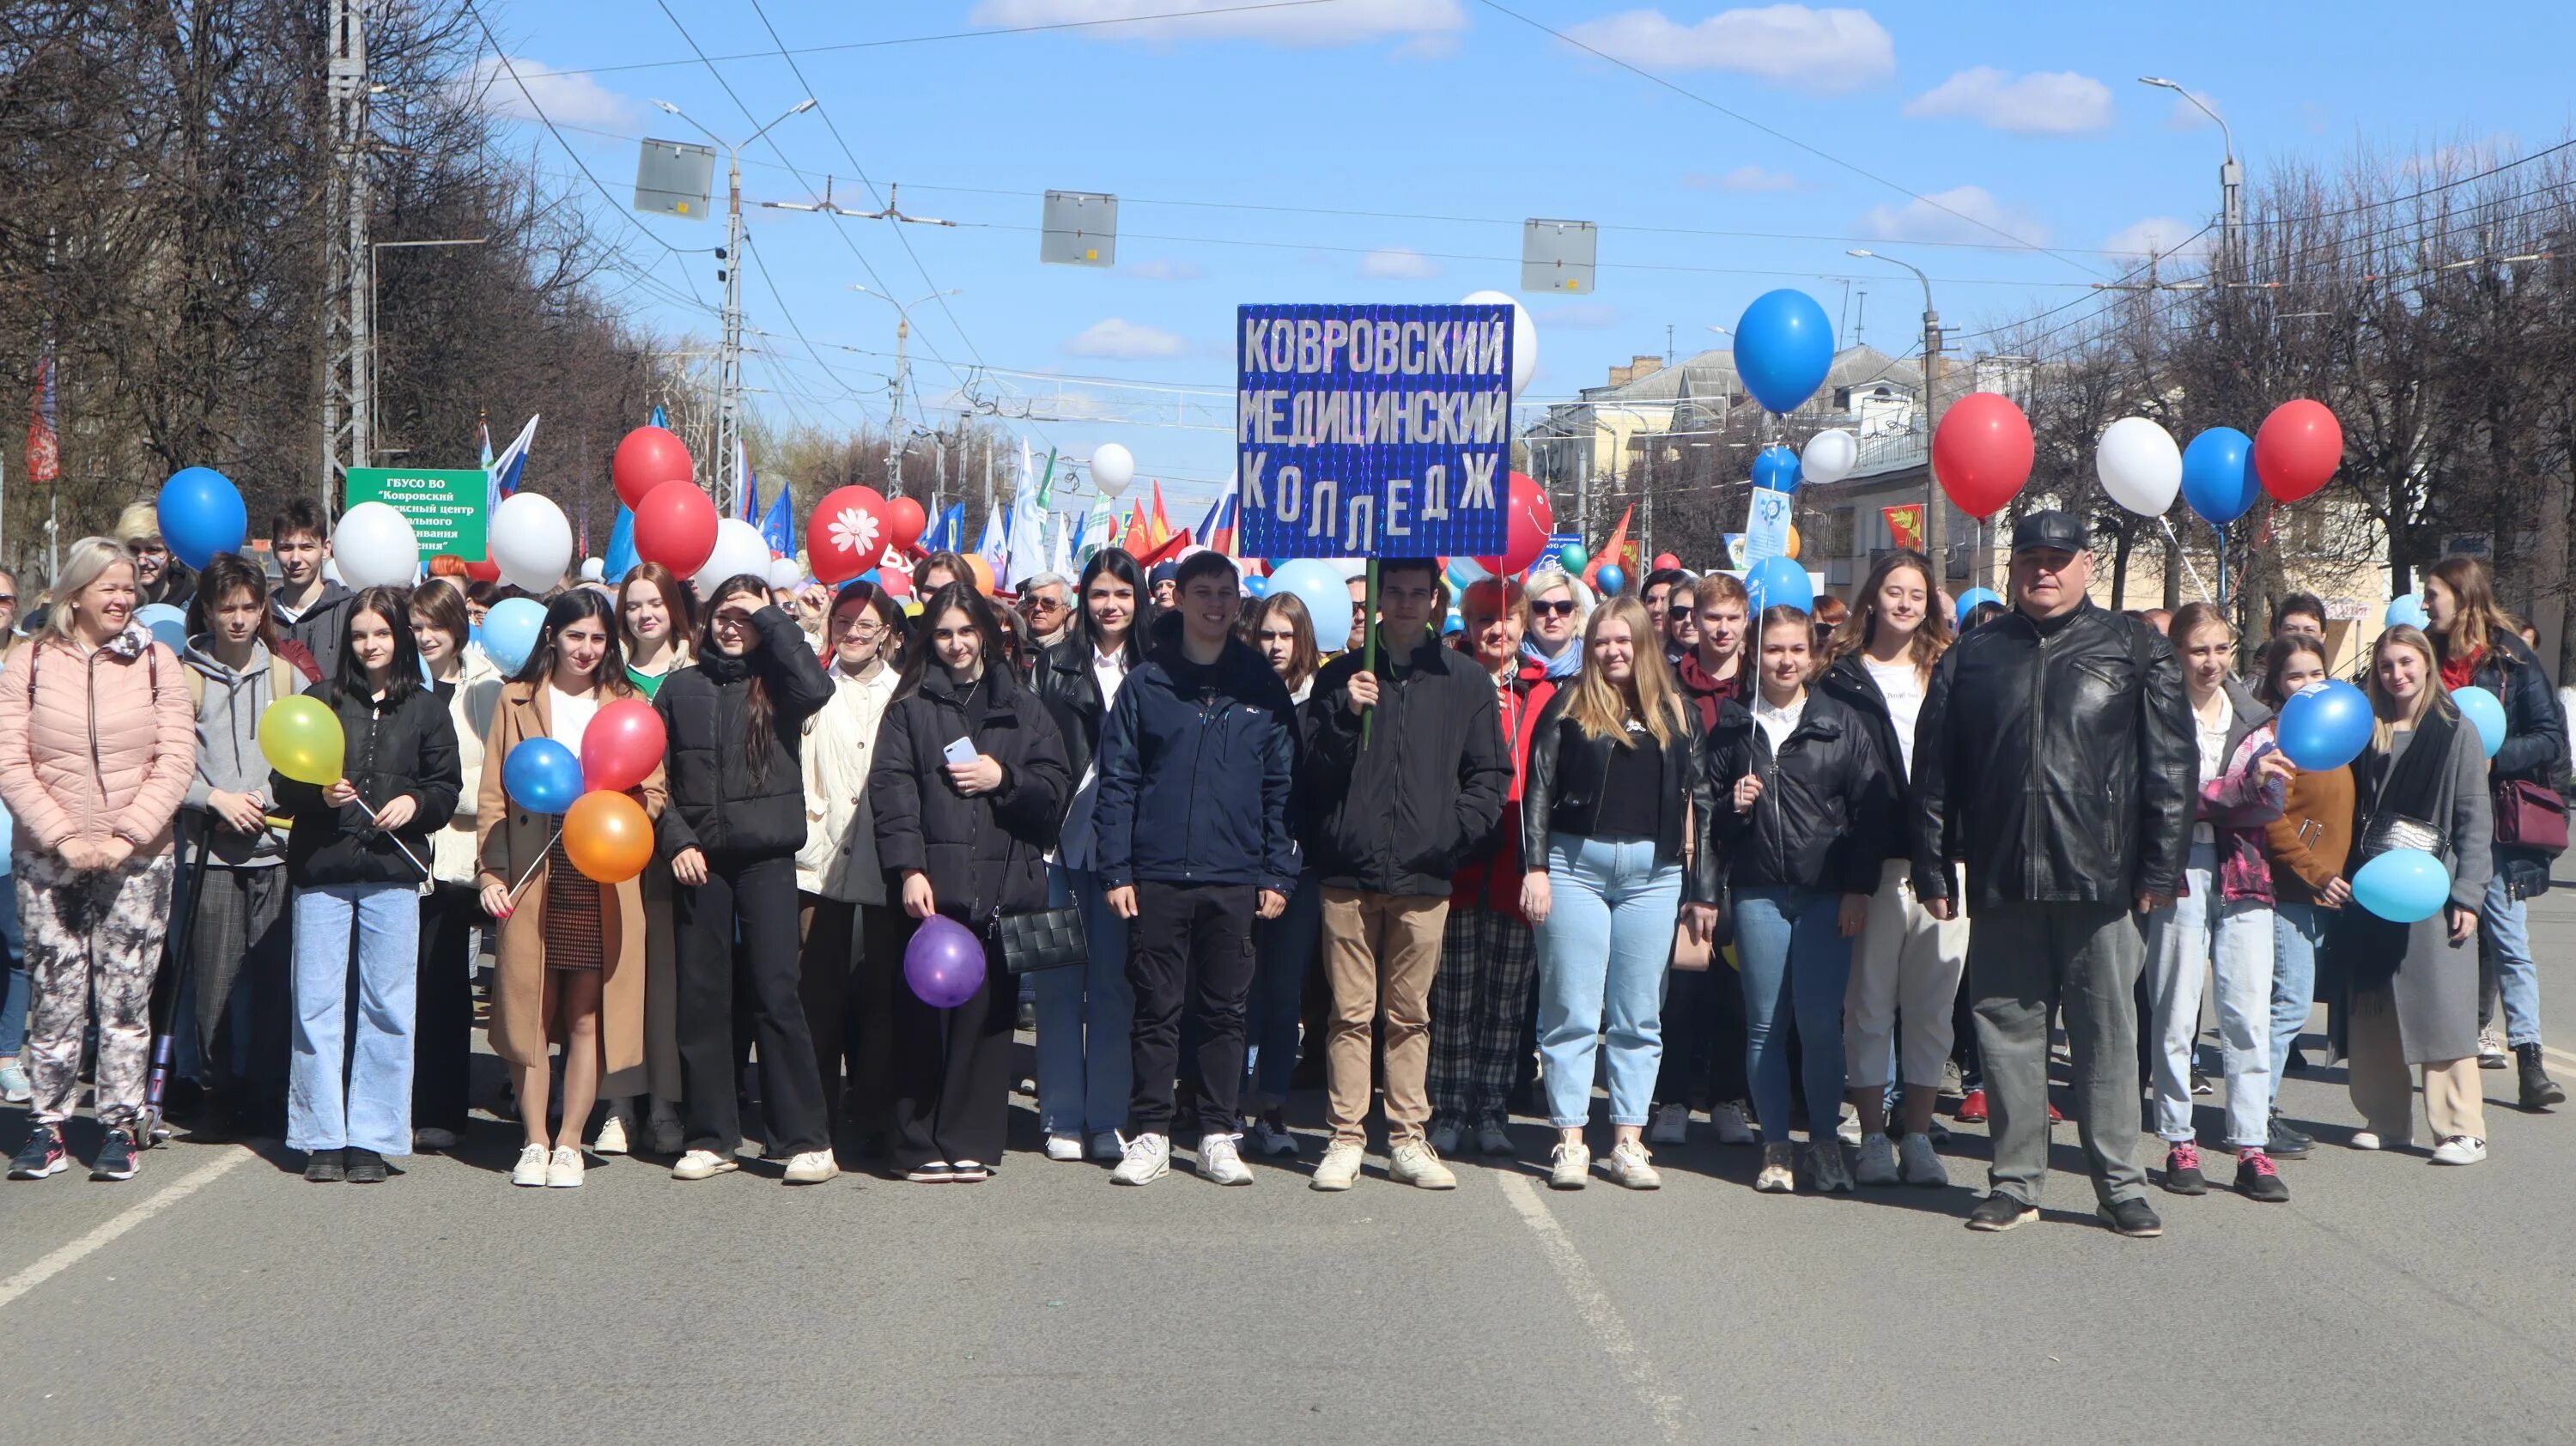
(1373, 431)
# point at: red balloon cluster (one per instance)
(1664, 560)
(2297, 449)
(848, 534)
(646, 458)
(1527, 520)
(896, 582)
(675, 525)
(622, 745)
(905, 520)
(1982, 452)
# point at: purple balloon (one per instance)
(944, 963)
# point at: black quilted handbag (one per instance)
(1040, 938)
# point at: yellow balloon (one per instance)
(302, 739)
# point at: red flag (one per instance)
(1160, 526)
(1170, 549)
(44, 458)
(1138, 539)
(1617, 549)
(1905, 524)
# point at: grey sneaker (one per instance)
(1628, 1164)
(1493, 1139)
(1920, 1163)
(1273, 1139)
(1415, 1163)
(1826, 1169)
(1726, 1121)
(1220, 1163)
(1444, 1137)
(1570, 1168)
(1877, 1164)
(14, 1086)
(1670, 1126)
(1340, 1167)
(1147, 1158)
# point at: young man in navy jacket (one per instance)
(1197, 761)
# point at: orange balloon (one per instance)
(983, 571)
(1793, 541)
(607, 836)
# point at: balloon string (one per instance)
(397, 843)
(542, 855)
(2186, 559)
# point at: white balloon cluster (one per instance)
(1524, 334)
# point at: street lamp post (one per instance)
(728, 471)
(1936, 530)
(2231, 180)
(902, 373)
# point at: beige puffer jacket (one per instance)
(96, 747)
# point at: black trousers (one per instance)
(1193, 943)
(952, 1067)
(443, 1021)
(1703, 1038)
(852, 964)
(759, 895)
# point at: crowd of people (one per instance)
(1796, 873)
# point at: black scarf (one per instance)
(2370, 949)
(723, 668)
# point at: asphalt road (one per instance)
(219, 1298)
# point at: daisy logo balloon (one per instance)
(847, 535)
(854, 529)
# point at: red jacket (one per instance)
(1491, 880)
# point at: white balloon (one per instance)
(2139, 465)
(1112, 468)
(739, 549)
(594, 569)
(784, 573)
(531, 542)
(1348, 567)
(1524, 334)
(375, 547)
(1830, 456)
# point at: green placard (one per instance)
(445, 506)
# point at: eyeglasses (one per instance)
(1559, 608)
(8, 599)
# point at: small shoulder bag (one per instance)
(1038, 938)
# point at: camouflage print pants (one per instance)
(91, 933)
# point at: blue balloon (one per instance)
(1326, 594)
(1970, 601)
(170, 626)
(1257, 586)
(1453, 624)
(1784, 344)
(1611, 580)
(202, 514)
(510, 631)
(2403, 886)
(541, 776)
(2218, 474)
(1775, 469)
(2408, 612)
(2325, 725)
(1778, 582)
(2486, 710)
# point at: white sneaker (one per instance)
(1147, 1158)
(703, 1165)
(1826, 1168)
(812, 1167)
(1628, 1164)
(1493, 1139)
(1569, 1167)
(1922, 1164)
(1220, 1163)
(1847, 1125)
(668, 1134)
(1444, 1137)
(563, 1168)
(1340, 1168)
(1273, 1140)
(1107, 1146)
(433, 1138)
(531, 1169)
(1415, 1163)
(1670, 1126)
(1877, 1162)
(612, 1132)
(1779, 1174)
(2460, 1150)
(1064, 1147)
(1727, 1122)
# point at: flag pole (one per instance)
(1368, 647)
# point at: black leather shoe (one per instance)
(324, 1167)
(366, 1167)
(1999, 1212)
(2539, 1091)
(2133, 1218)
(2286, 1142)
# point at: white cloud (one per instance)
(2042, 103)
(1820, 50)
(1164, 268)
(2184, 116)
(1954, 218)
(1578, 316)
(1349, 22)
(1399, 263)
(575, 100)
(1123, 340)
(1754, 178)
(2452, 161)
(2167, 236)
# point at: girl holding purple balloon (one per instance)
(969, 790)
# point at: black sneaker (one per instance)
(2539, 1091)
(2257, 1178)
(2286, 1142)
(118, 1156)
(2133, 1218)
(2182, 1170)
(324, 1167)
(41, 1156)
(365, 1167)
(1999, 1212)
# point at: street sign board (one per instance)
(445, 505)
(673, 178)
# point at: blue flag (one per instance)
(778, 527)
(620, 559)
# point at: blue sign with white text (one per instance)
(1373, 431)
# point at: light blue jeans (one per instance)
(2506, 922)
(1796, 967)
(370, 1106)
(2298, 932)
(1601, 957)
(2201, 935)
(1283, 950)
(1084, 1015)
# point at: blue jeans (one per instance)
(1283, 950)
(1084, 1070)
(1796, 965)
(13, 984)
(2298, 932)
(2506, 923)
(2198, 937)
(1601, 957)
(369, 1108)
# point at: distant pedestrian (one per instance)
(1283, 948)
(1703, 1064)
(306, 602)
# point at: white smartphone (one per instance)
(959, 750)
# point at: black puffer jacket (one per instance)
(1824, 798)
(983, 854)
(1562, 792)
(1847, 681)
(716, 805)
(1399, 814)
(2059, 760)
(408, 748)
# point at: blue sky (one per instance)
(1384, 150)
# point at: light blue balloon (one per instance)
(1779, 582)
(1257, 586)
(2218, 474)
(201, 514)
(1784, 345)
(510, 631)
(541, 776)
(1320, 586)
(1776, 469)
(2325, 725)
(1453, 624)
(2486, 710)
(2407, 612)
(2403, 886)
(1970, 601)
(169, 625)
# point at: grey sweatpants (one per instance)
(2083, 958)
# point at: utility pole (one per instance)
(1936, 526)
(348, 402)
(902, 355)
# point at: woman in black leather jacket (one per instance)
(1802, 798)
(1615, 786)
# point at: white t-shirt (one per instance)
(571, 715)
(2213, 752)
(1778, 723)
(1902, 687)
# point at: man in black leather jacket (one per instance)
(2056, 756)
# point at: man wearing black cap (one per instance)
(2056, 756)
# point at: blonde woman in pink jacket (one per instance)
(97, 744)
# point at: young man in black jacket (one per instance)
(1391, 809)
(1197, 759)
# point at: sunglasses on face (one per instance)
(1682, 613)
(1557, 609)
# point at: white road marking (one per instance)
(65, 1257)
(1593, 1303)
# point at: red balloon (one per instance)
(847, 535)
(647, 458)
(2297, 449)
(1524, 539)
(1540, 507)
(483, 571)
(621, 746)
(905, 519)
(1982, 452)
(1665, 560)
(676, 526)
(896, 582)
